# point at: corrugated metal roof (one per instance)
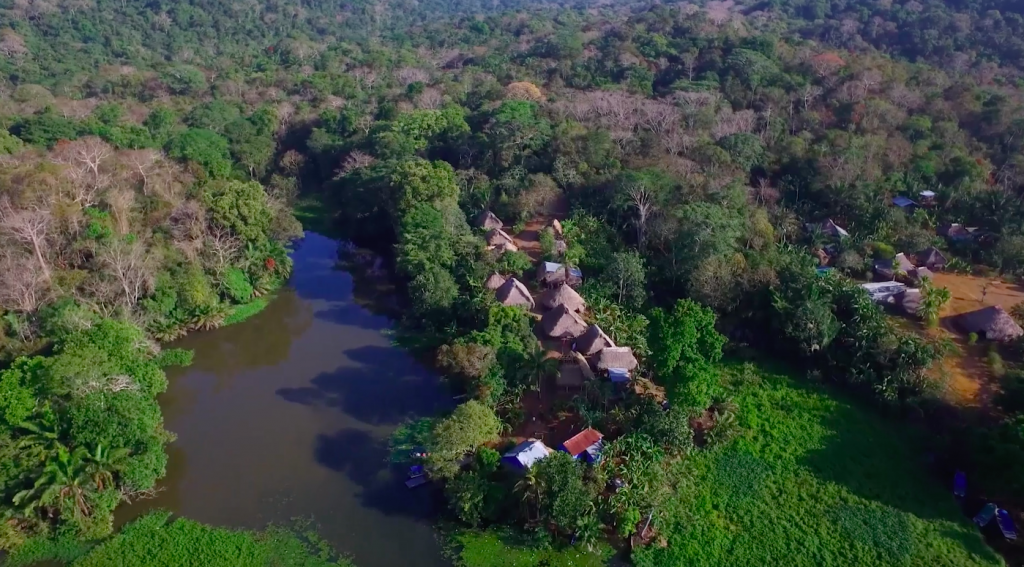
(583, 440)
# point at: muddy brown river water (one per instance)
(287, 415)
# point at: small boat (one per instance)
(1005, 522)
(960, 484)
(416, 481)
(986, 515)
(417, 476)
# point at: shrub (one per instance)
(235, 285)
(995, 362)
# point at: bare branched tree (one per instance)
(131, 266)
(32, 226)
(645, 208)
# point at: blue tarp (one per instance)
(902, 202)
(618, 374)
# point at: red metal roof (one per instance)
(579, 442)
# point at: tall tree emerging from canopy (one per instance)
(684, 349)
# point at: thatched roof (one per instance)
(956, 231)
(593, 341)
(503, 247)
(931, 258)
(616, 357)
(829, 227)
(494, 281)
(909, 301)
(513, 292)
(496, 236)
(563, 295)
(903, 263)
(562, 323)
(487, 220)
(583, 365)
(557, 227)
(992, 323)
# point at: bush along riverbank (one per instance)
(157, 540)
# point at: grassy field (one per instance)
(503, 548)
(155, 541)
(814, 480)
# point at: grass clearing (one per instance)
(156, 541)
(503, 547)
(814, 480)
(246, 310)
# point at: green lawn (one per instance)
(155, 541)
(500, 547)
(814, 480)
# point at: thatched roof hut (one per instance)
(494, 281)
(931, 258)
(513, 292)
(504, 247)
(830, 228)
(957, 231)
(908, 301)
(556, 227)
(574, 371)
(496, 237)
(562, 323)
(488, 220)
(992, 323)
(563, 295)
(616, 357)
(593, 341)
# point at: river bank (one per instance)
(287, 415)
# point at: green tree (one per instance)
(204, 147)
(184, 80)
(471, 424)
(628, 277)
(241, 207)
(684, 349)
(565, 498)
(535, 366)
(932, 300)
(64, 483)
(103, 462)
(745, 150)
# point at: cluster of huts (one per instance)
(587, 352)
(561, 308)
(897, 279)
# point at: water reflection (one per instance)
(287, 415)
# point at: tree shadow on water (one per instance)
(384, 386)
(363, 460)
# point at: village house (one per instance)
(513, 292)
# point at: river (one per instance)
(287, 415)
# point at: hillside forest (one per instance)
(154, 157)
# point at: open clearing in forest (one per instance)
(814, 480)
(969, 382)
(973, 292)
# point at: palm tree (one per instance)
(536, 366)
(102, 463)
(529, 488)
(40, 439)
(932, 300)
(64, 479)
(588, 529)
